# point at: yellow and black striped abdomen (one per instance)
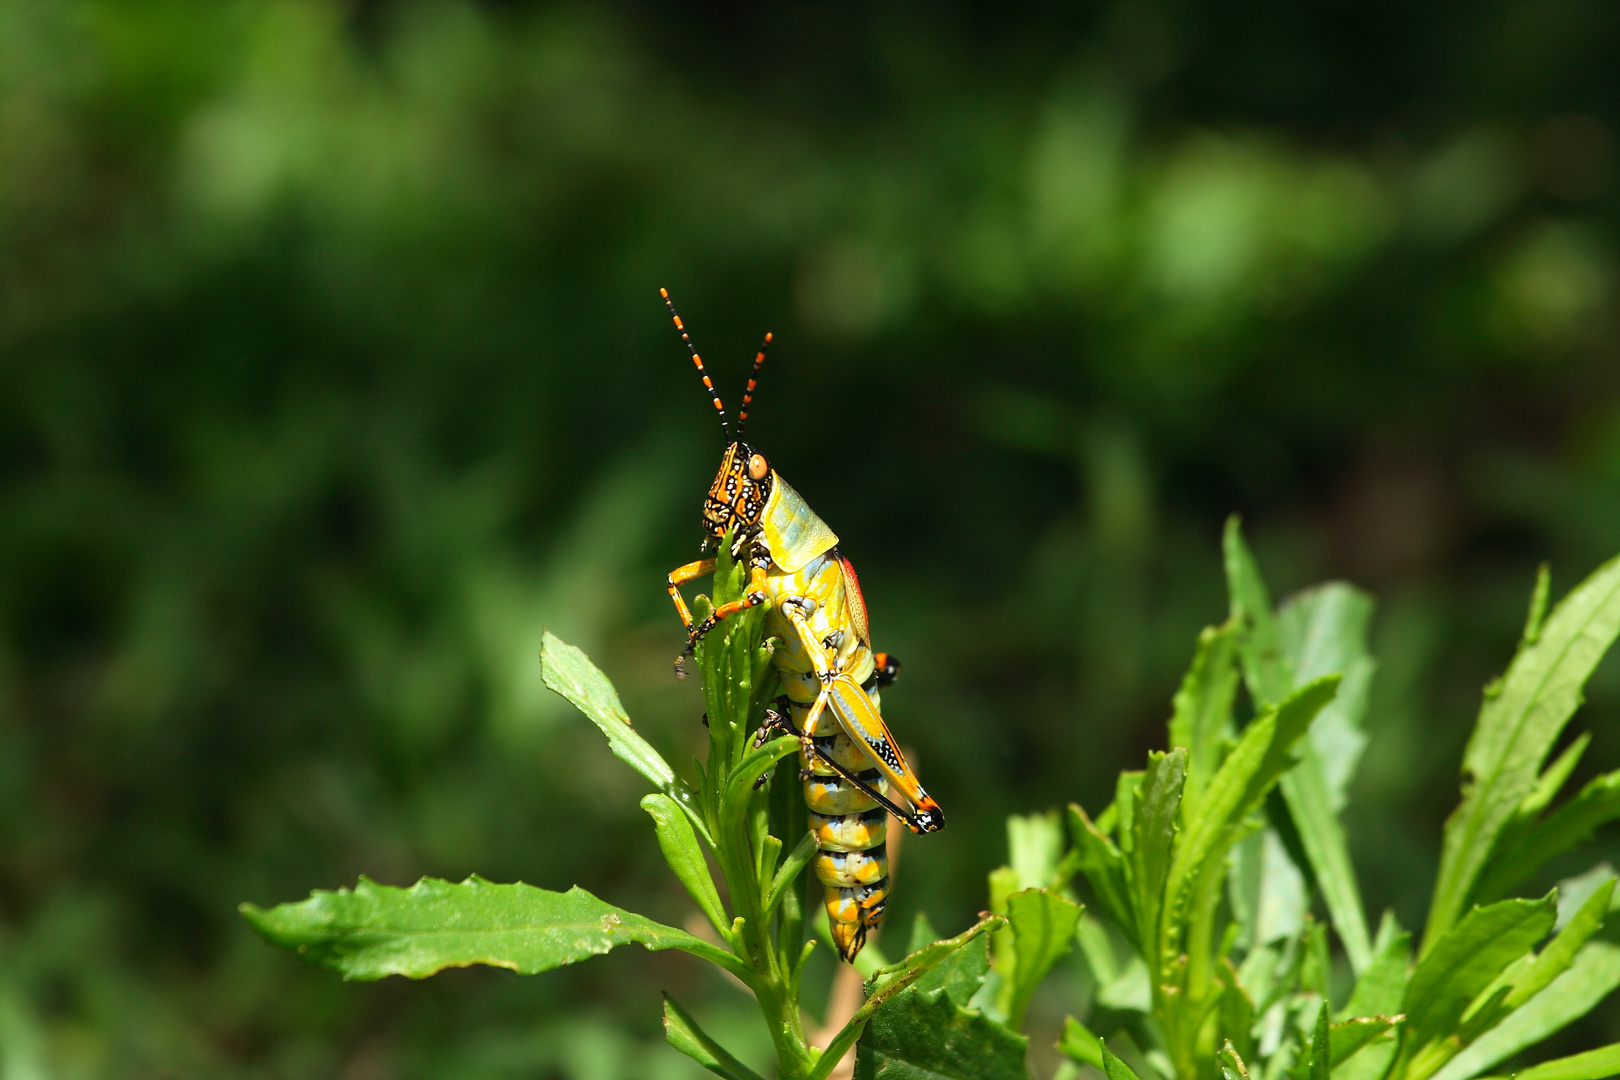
(849, 827)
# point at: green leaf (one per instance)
(924, 1035)
(679, 844)
(377, 930)
(1035, 848)
(1519, 721)
(1560, 953)
(569, 672)
(1348, 1036)
(889, 984)
(683, 1033)
(1079, 1044)
(1043, 925)
(1103, 866)
(1382, 987)
(1594, 974)
(1321, 1052)
(1115, 1069)
(1468, 958)
(961, 974)
(1266, 890)
(1322, 631)
(1265, 667)
(788, 872)
(1153, 834)
(1597, 1064)
(1262, 754)
(1598, 803)
(1201, 717)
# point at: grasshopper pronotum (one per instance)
(850, 762)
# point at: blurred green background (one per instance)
(332, 370)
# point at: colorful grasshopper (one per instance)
(850, 762)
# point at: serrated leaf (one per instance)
(1103, 866)
(888, 983)
(683, 1033)
(1153, 834)
(569, 672)
(1042, 924)
(924, 1035)
(1201, 716)
(1262, 754)
(1594, 974)
(1079, 1044)
(1596, 804)
(1560, 953)
(1317, 632)
(376, 930)
(1468, 958)
(1321, 1047)
(679, 843)
(1597, 1064)
(1519, 721)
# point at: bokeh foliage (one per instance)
(332, 372)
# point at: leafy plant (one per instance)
(1207, 961)
(1206, 958)
(744, 803)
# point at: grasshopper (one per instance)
(850, 764)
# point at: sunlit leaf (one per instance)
(1521, 718)
(1079, 1044)
(1318, 632)
(1596, 804)
(1262, 754)
(1042, 924)
(1103, 866)
(900, 1017)
(1597, 1064)
(1594, 974)
(1201, 717)
(679, 844)
(1115, 1069)
(569, 672)
(376, 930)
(924, 1035)
(683, 1033)
(1321, 1061)
(1468, 958)
(1153, 833)
(1560, 953)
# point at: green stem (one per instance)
(736, 674)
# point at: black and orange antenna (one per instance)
(698, 360)
(753, 381)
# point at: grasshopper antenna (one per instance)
(753, 381)
(698, 360)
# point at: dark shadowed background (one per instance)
(332, 371)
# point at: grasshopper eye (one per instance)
(757, 467)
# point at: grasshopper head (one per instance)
(737, 497)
